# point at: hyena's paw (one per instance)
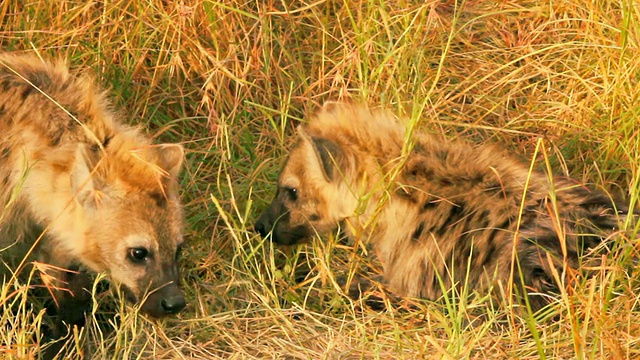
(369, 291)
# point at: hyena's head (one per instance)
(312, 196)
(127, 196)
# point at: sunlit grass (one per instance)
(231, 80)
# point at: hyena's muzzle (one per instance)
(163, 296)
(275, 222)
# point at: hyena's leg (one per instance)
(371, 289)
(70, 287)
(75, 301)
(71, 302)
(542, 264)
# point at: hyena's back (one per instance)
(473, 205)
(49, 102)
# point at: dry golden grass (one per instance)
(230, 80)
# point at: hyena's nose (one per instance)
(262, 228)
(173, 304)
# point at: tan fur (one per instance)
(440, 210)
(94, 188)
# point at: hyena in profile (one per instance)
(447, 213)
(85, 191)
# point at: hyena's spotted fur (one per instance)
(445, 208)
(90, 192)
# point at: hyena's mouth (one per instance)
(296, 235)
(129, 296)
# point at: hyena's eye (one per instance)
(292, 193)
(138, 255)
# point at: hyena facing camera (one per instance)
(448, 213)
(86, 191)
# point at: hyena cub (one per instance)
(86, 192)
(447, 213)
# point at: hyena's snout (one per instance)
(263, 226)
(276, 224)
(160, 292)
(270, 219)
(165, 300)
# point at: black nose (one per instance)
(261, 228)
(173, 304)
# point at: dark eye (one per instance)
(292, 193)
(138, 255)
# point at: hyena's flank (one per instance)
(445, 208)
(91, 193)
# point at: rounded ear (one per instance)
(171, 157)
(330, 106)
(302, 132)
(82, 186)
(329, 154)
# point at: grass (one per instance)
(231, 80)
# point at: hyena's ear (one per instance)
(81, 182)
(171, 157)
(328, 153)
(331, 106)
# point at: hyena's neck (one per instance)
(384, 223)
(373, 206)
(67, 227)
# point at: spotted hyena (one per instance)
(86, 192)
(443, 215)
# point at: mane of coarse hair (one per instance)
(71, 91)
(354, 126)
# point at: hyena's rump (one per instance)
(92, 194)
(445, 215)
